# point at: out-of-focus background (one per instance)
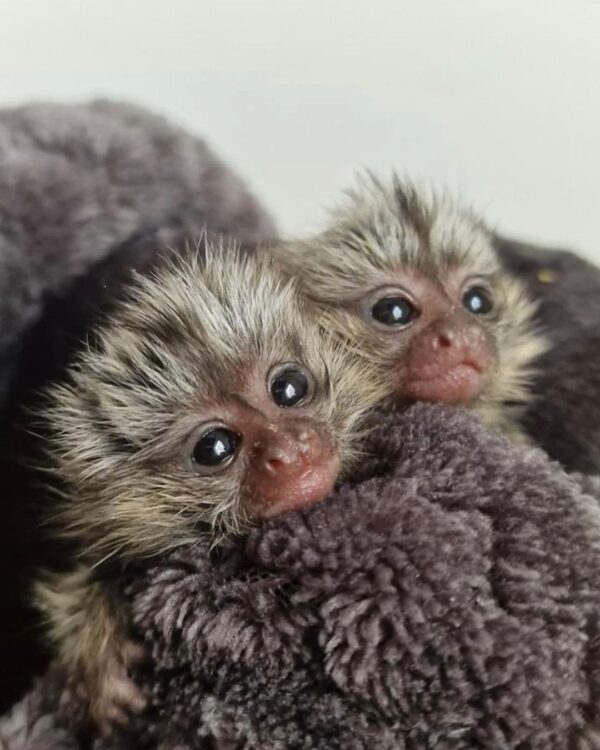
(496, 99)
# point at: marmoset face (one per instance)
(211, 399)
(413, 283)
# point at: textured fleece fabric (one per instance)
(445, 597)
(565, 416)
(78, 182)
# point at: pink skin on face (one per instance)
(444, 353)
(292, 469)
(447, 361)
(289, 459)
(459, 385)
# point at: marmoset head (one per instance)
(209, 399)
(413, 282)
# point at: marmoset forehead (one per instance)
(382, 227)
(440, 244)
(194, 332)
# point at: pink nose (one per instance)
(445, 344)
(443, 340)
(293, 470)
(286, 454)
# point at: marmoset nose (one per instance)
(446, 343)
(286, 453)
(443, 340)
(447, 362)
(447, 336)
(293, 469)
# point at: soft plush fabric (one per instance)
(445, 597)
(565, 417)
(87, 193)
(79, 182)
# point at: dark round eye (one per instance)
(216, 447)
(478, 300)
(394, 311)
(289, 388)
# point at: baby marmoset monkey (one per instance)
(209, 399)
(413, 282)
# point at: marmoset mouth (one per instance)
(308, 488)
(459, 384)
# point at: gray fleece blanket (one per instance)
(445, 596)
(81, 182)
(448, 596)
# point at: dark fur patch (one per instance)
(414, 212)
(119, 443)
(135, 375)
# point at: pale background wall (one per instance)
(499, 99)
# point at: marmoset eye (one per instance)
(394, 311)
(289, 388)
(216, 447)
(478, 300)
